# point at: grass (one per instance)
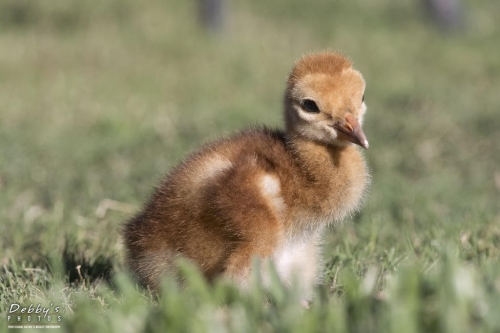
(99, 100)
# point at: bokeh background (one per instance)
(99, 99)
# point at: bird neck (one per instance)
(317, 160)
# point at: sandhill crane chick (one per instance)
(260, 192)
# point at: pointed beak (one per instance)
(350, 130)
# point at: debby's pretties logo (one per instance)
(34, 316)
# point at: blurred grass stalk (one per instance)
(443, 300)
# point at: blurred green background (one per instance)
(99, 99)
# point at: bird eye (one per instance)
(310, 106)
(363, 99)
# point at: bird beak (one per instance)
(350, 130)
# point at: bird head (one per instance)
(324, 100)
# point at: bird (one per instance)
(263, 193)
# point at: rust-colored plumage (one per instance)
(260, 192)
